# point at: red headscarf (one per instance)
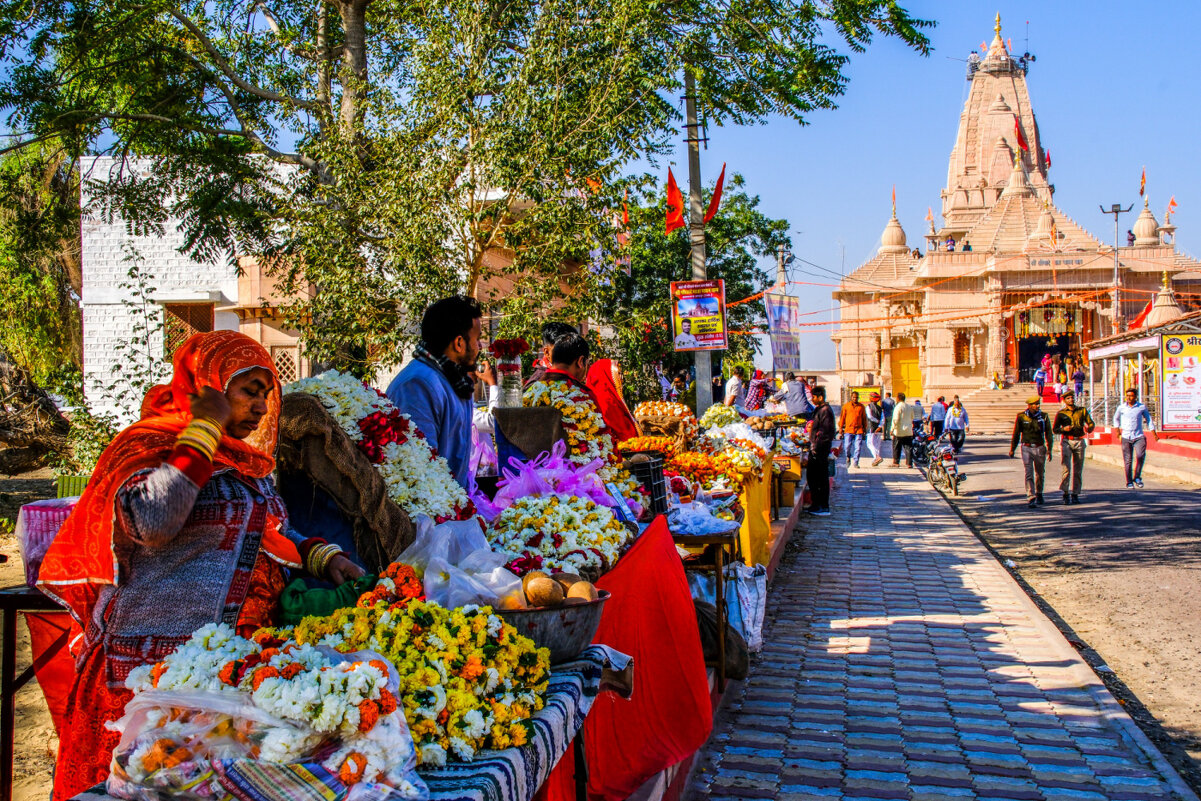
(81, 558)
(617, 415)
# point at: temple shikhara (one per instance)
(1009, 276)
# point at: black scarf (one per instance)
(460, 381)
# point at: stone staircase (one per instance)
(991, 411)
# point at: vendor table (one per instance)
(723, 540)
(13, 600)
(515, 774)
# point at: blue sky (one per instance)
(1111, 91)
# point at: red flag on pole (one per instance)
(1017, 129)
(675, 204)
(1172, 205)
(715, 201)
(625, 209)
(1138, 322)
(1142, 184)
(1048, 159)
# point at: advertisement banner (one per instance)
(783, 325)
(1180, 360)
(698, 315)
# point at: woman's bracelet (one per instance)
(201, 435)
(319, 558)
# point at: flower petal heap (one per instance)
(567, 534)
(720, 415)
(417, 478)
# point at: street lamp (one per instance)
(1116, 210)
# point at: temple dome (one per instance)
(1164, 309)
(893, 238)
(1045, 230)
(1146, 228)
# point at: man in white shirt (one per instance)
(1134, 419)
(902, 431)
(686, 340)
(796, 399)
(735, 392)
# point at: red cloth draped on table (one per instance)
(650, 616)
(608, 398)
(82, 559)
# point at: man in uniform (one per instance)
(1033, 431)
(1072, 423)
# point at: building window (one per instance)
(181, 321)
(963, 348)
(287, 362)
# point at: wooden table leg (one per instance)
(719, 559)
(8, 702)
(581, 766)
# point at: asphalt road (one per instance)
(1120, 573)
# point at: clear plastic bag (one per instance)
(197, 745)
(459, 568)
(452, 587)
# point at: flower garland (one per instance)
(720, 415)
(668, 409)
(397, 585)
(314, 696)
(417, 479)
(567, 534)
(663, 445)
(587, 436)
(468, 681)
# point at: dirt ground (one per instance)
(1119, 573)
(37, 743)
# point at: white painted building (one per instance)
(188, 296)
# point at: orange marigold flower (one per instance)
(267, 653)
(292, 671)
(381, 666)
(473, 669)
(228, 674)
(352, 768)
(368, 715)
(157, 672)
(387, 702)
(261, 674)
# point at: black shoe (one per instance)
(1039, 498)
(1033, 503)
(1075, 499)
(1067, 499)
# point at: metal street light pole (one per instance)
(1116, 210)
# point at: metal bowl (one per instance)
(565, 630)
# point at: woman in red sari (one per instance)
(603, 381)
(180, 527)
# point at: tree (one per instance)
(40, 272)
(739, 237)
(390, 152)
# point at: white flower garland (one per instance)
(567, 534)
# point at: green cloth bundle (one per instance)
(298, 601)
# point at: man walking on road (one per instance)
(1130, 417)
(902, 431)
(1072, 423)
(821, 439)
(1033, 431)
(938, 416)
(875, 428)
(888, 404)
(852, 422)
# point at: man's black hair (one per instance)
(447, 319)
(569, 348)
(685, 321)
(818, 391)
(553, 330)
(790, 377)
(738, 371)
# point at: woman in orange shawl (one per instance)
(180, 527)
(603, 381)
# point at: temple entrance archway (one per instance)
(906, 372)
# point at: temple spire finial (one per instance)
(997, 27)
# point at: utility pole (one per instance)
(1116, 210)
(696, 232)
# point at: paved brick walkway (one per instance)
(901, 661)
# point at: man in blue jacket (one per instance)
(436, 387)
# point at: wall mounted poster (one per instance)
(783, 322)
(1180, 357)
(698, 315)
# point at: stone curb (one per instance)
(1088, 678)
(1183, 476)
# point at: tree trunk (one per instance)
(31, 426)
(354, 63)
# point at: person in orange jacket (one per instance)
(852, 424)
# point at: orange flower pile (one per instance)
(398, 585)
(663, 445)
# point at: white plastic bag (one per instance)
(745, 597)
(458, 567)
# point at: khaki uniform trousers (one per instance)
(1034, 459)
(1071, 453)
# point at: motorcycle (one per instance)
(923, 441)
(943, 468)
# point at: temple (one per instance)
(1009, 276)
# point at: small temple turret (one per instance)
(1146, 228)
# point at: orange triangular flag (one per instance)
(1142, 184)
(625, 209)
(929, 214)
(675, 204)
(1137, 322)
(1017, 129)
(1172, 205)
(715, 201)
(894, 198)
